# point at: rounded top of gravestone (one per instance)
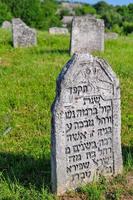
(6, 25)
(84, 66)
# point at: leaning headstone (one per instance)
(6, 25)
(23, 36)
(86, 124)
(58, 31)
(111, 36)
(87, 34)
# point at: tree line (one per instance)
(40, 14)
(43, 14)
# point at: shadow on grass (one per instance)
(26, 170)
(52, 51)
(29, 171)
(127, 152)
(10, 43)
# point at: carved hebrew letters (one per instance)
(89, 134)
(85, 124)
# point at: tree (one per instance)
(49, 14)
(27, 10)
(36, 13)
(85, 9)
(102, 7)
(5, 13)
(128, 27)
(130, 7)
(64, 12)
(111, 18)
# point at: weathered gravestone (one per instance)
(23, 36)
(58, 31)
(87, 34)
(86, 124)
(111, 36)
(6, 25)
(67, 20)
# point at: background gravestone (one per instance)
(6, 25)
(86, 124)
(23, 36)
(58, 31)
(67, 20)
(111, 36)
(87, 34)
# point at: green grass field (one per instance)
(27, 90)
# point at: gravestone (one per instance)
(58, 31)
(87, 34)
(111, 36)
(67, 20)
(86, 124)
(6, 25)
(23, 36)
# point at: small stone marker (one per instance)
(58, 31)
(111, 36)
(87, 34)
(23, 36)
(67, 20)
(6, 25)
(86, 124)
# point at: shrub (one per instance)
(128, 27)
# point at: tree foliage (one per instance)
(49, 14)
(5, 13)
(36, 13)
(85, 9)
(43, 14)
(117, 18)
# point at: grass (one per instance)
(27, 90)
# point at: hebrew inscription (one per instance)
(88, 131)
(85, 124)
